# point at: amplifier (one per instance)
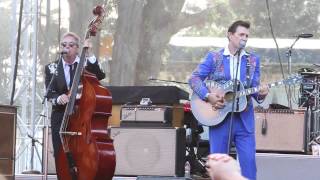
(136, 113)
(149, 151)
(8, 115)
(309, 88)
(281, 130)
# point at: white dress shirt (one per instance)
(66, 67)
(233, 62)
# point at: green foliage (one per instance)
(288, 17)
(220, 16)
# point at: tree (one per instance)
(143, 30)
(288, 17)
(80, 14)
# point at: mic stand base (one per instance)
(31, 172)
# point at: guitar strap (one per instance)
(248, 79)
(248, 75)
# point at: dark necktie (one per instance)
(71, 71)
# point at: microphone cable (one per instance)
(277, 47)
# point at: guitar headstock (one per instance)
(293, 79)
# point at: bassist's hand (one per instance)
(63, 99)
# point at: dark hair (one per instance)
(235, 24)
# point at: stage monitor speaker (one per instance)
(161, 178)
(281, 131)
(7, 140)
(51, 168)
(149, 151)
(272, 166)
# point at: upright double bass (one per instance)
(87, 151)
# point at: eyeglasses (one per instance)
(70, 44)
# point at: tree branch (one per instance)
(185, 20)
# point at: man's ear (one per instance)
(228, 35)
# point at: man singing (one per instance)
(220, 67)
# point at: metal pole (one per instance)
(13, 38)
(34, 74)
(289, 55)
(46, 141)
(289, 71)
(15, 67)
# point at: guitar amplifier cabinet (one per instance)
(145, 115)
(281, 130)
(8, 115)
(159, 95)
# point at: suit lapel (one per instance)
(226, 64)
(243, 68)
(62, 84)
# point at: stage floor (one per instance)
(269, 166)
(54, 177)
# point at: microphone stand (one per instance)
(52, 78)
(46, 124)
(45, 143)
(289, 55)
(317, 65)
(235, 89)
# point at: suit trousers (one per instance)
(56, 120)
(244, 142)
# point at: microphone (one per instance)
(304, 35)
(64, 51)
(242, 45)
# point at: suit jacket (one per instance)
(216, 67)
(59, 85)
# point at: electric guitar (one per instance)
(208, 116)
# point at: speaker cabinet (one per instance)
(281, 131)
(7, 140)
(287, 166)
(51, 168)
(149, 151)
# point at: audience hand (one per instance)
(223, 167)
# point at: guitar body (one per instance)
(208, 116)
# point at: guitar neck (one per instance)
(244, 92)
(253, 90)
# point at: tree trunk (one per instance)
(127, 42)
(80, 16)
(144, 28)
